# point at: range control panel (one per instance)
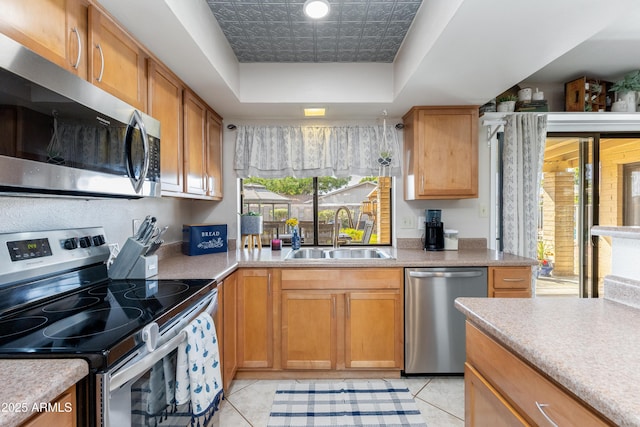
(33, 254)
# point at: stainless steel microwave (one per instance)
(61, 135)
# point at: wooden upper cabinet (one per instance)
(195, 131)
(441, 152)
(165, 104)
(54, 29)
(117, 62)
(214, 155)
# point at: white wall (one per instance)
(463, 215)
(115, 215)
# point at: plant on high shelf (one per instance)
(507, 103)
(251, 222)
(545, 254)
(626, 89)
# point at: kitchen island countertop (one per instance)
(588, 346)
(28, 383)
(217, 266)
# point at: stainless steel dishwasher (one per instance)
(434, 339)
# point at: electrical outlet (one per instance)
(484, 210)
(421, 220)
(407, 222)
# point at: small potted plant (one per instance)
(545, 265)
(507, 103)
(626, 89)
(385, 158)
(251, 222)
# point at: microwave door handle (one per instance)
(138, 182)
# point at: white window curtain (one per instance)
(523, 153)
(308, 151)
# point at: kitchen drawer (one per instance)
(511, 277)
(524, 387)
(346, 278)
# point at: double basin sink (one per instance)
(339, 253)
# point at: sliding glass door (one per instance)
(587, 179)
(566, 215)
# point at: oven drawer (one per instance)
(535, 397)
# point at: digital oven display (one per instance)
(28, 249)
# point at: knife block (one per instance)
(145, 267)
(127, 258)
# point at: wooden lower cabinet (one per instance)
(230, 334)
(255, 316)
(309, 329)
(510, 282)
(342, 319)
(503, 390)
(484, 406)
(64, 415)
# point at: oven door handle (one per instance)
(126, 374)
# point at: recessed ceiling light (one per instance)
(314, 112)
(316, 9)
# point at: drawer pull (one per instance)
(513, 280)
(541, 407)
(77, 64)
(99, 79)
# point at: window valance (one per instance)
(307, 151)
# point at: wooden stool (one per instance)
(250, 240)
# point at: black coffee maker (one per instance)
(433, 231)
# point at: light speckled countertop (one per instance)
(29, 382)
(589, 346)
(217, 266)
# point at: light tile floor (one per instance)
(440, 399)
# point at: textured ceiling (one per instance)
(278, 31)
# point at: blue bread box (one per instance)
(201, 239)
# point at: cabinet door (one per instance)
(309, 329)
(117, 63)
(483, 404)
(441, 148)
(374, 333)
(448, 153)
(255, 318)
(230, 334)
(165, 104)
(214, 155)
(66, 402)
(195, 121)
(55, 29)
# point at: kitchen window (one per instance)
(314, 203)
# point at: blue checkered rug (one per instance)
(345, 403)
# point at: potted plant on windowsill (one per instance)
(251, 223)
(626, 89)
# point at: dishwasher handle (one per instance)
(448, 274)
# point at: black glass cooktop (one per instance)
(94, 319)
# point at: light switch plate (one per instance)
(407, 222)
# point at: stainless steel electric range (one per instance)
(56, 300)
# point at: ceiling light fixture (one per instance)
(314, 112)
(316, 9)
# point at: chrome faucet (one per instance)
(336, 226)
